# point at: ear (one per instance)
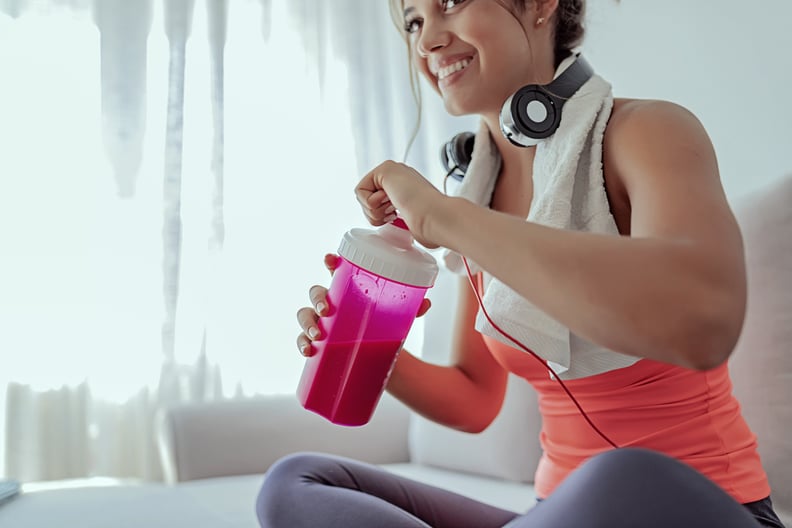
(544, 9)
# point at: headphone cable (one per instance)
(522, 346)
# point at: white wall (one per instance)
(728, 61)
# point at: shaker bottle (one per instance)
(373, 299)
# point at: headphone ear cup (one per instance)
(445, 156)
(535, 113)
(457, 153)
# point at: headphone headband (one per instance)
(533, 113)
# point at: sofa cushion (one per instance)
(509, 448)
(195, 438)
(214, 503)
(761, 365)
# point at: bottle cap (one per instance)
(390, 253)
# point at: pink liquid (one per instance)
(347, 379)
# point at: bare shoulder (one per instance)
(659, 161)
(657, 139)
(649, 114)
(640, 127)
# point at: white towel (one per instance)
(568, 193)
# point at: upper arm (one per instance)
(664, 161)
(666, 164)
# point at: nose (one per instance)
(434, 36)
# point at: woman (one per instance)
(669, 292)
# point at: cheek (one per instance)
(503, 66)
(423, 69)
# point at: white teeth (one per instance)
(453, 68)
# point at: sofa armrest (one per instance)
(238, 437)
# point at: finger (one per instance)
(331, 262)
(373, 213)
(368, 184)
(386, 212)
(318, 295)
(380, 215)
(362, 195)
(377, 199)
(307, 318)
(425, 305)
(374, 200)
(374, 219)
(380, 205)
(304, 346)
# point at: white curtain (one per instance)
(171, 174)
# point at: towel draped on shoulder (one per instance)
(568, 193)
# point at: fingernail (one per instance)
(320, 307)
(313, 332)
(390, 209)
(389, 218)
(304, 348)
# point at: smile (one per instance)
(452, 68)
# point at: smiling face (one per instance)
(474, 52)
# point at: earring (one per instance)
(540, 21)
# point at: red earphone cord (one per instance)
(525, 348)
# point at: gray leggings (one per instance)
(623, 488)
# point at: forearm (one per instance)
(442, 394)
(645, 297)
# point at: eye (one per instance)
(412, 25)
(450, 4)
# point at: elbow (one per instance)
(705, 357)
(477, 416)
(712, 334)
(461, 419)
(478, 426)
(481, 405)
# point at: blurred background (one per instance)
(173, 171)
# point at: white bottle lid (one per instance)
(390, 253)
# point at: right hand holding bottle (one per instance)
(308, 316)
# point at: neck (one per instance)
(519, 160)
(516, 160)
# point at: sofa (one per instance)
(215, 455)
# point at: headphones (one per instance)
(529, 116)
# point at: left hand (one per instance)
(392, 187)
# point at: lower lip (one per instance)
(454, 77)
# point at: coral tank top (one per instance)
(687, 414)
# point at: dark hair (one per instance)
(569, 28)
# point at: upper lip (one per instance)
(436, 63)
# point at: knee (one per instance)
(278, 494)
(293, 467)
(627, 466)
(631, 458)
